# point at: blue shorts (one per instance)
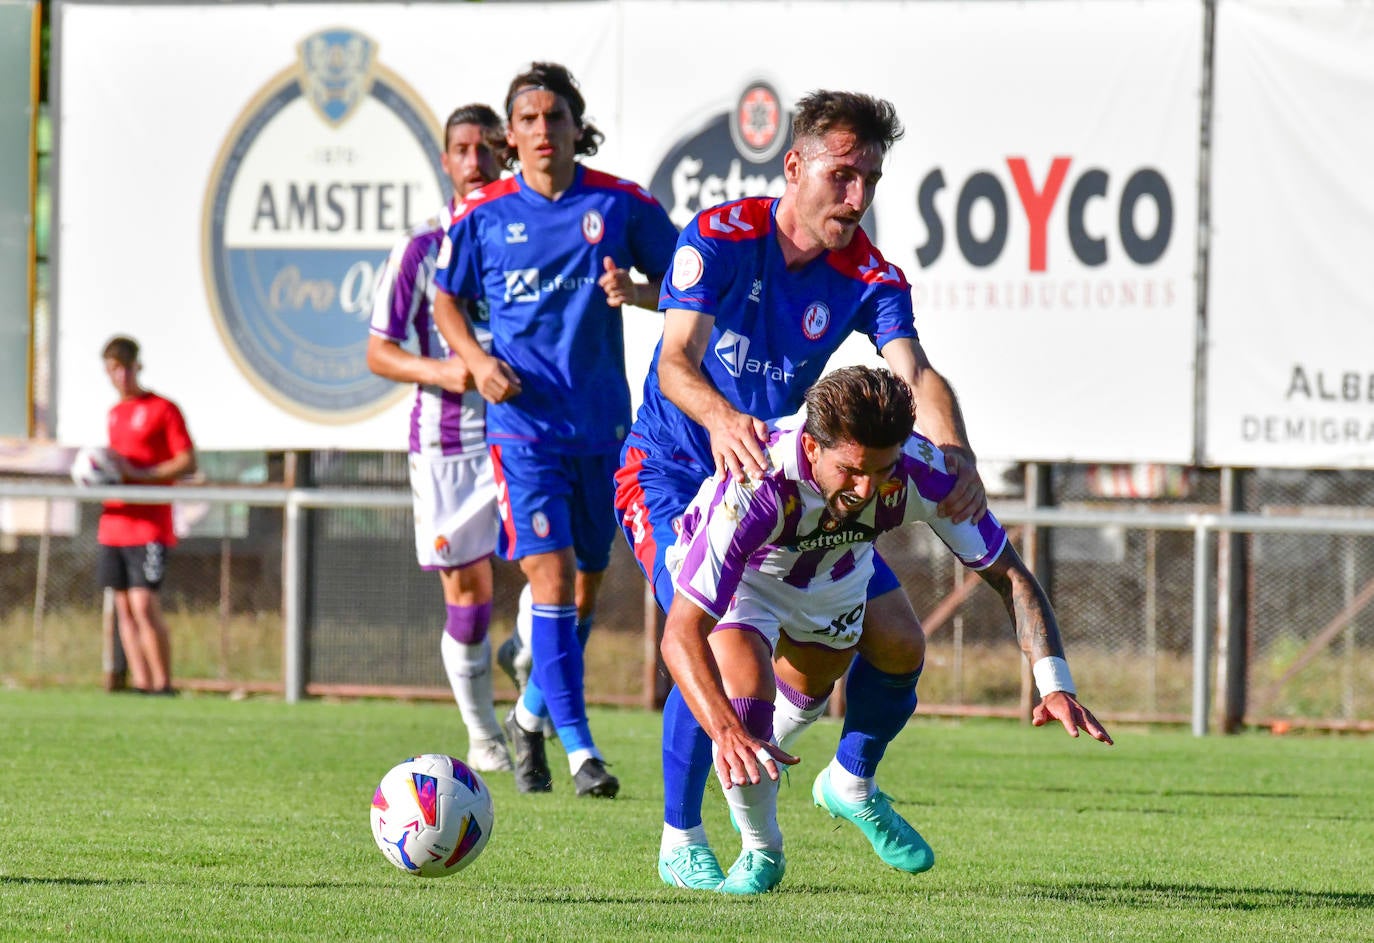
(652, 493)
(550, 501)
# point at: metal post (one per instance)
(1202, 637)
(293, 664)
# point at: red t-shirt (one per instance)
(145, 431)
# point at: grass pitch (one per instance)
(202, 818)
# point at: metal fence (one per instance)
(1172, 611)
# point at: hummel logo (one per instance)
(888, 273)
(719, 223)
(515, 232)
(755, 291)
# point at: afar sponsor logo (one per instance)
(1093, 238)
(732, 350)
(331, 162)
(522, 285)
(526, 286)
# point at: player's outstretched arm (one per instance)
(942, 421)
(492, 377)
(688, 656)
(1037, 632)
(736, 438)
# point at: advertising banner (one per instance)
(1042, 203)
(1290, 368)
(18, 99)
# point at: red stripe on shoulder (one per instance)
(486, 194)
(605, 181)
(737, 222)
(861, 260)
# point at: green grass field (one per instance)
(129, 818)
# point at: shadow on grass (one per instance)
(1152, 894)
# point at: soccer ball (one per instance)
(94, 465)
(431, 815)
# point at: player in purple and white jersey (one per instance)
(450, 473)
(771, 575)
(760, 294)
(550, 251)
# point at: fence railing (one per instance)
(1082, 587)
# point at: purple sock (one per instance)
(801, 701)
(756, 714)
(467, 624)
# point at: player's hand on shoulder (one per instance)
(616, 283)
(737, 443)
(969, 499)
(1064, 707)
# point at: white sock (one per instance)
(756, 813)
(848, 787)
(469, 675)
(527, 718)
(676, 837)
(789, 720)
(577, 757)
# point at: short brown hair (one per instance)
(873, 120)
(868, 406)
(485, 117)
(122, 350)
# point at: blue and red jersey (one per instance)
(536, 262)
(774, 329)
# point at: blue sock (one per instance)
(686, 763)
(877, 707)
(533, 696)
(558, 671)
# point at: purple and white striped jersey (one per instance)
(775, 529)
(441, 423)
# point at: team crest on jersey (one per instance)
(891, 492)
(441, 545)
(815, 319)
(540, 523)
(733, 153)
(593, 226)
(329, 164)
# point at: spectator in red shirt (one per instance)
(149, 438)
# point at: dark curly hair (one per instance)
(552, 77)
(868, 406)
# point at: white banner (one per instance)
(1290, 368)
(1043, 203)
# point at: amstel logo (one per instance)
(330, 163)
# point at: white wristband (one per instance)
(1052, 674)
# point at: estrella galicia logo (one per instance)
(331, 162)
(732, 155)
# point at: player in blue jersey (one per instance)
(450, 473)
(550, 252)
(770, 577)
(761, 292)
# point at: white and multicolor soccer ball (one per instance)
(431, 815)
(94, 465)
